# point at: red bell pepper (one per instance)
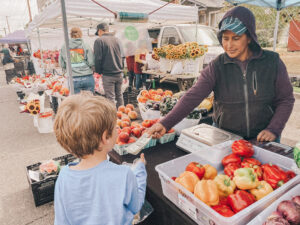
(250, 162)
(259, 172)
(242, 148)
(230, 168)
(290, 175)
(223, 201)
(274, 175)
(196, 168)
(224, 210)
(232, 158)
(240, 200)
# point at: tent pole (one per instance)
(40, 47)
(276, 29)
(197, 21)
(65, 25)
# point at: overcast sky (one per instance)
(17, 14)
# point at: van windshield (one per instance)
(206, 35)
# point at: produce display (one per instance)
(129, 130)
(48, 56)
(168, 103)
(57, 85)
(245, 180)
(153, 96)
(287, 213)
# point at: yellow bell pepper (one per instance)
(206, 104)
(225, 185)
(210, 172)
(263, 189)
(207, 192)
(188, 180)
(245, 178)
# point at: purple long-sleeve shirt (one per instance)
(283, 101)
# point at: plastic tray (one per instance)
(168, 137)
(121, 149)
(43, 191)
(262, 217)
(202, 213)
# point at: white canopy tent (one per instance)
(87, 14)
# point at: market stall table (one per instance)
(165, 212)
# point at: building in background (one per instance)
(209, 10)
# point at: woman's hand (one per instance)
(157, 131)
(266, 135)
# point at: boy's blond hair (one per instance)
(76, 32)
(81, 121)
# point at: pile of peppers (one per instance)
(245, 180)
(253, 180)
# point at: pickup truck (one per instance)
(181, 33)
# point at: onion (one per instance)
(296, 199)
(276, 221)
(290, 211)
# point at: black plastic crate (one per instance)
(43, 191)
(54, 104)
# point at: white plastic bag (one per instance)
(177, 68)
(152, 63)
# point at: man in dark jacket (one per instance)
(253, 94)
(108, 61)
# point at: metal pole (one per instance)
(7, 24)
(276, 29)
(29, 11)
(40, 47)
(197, 21)
(65, 25)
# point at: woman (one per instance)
(253, 94)
(139, 62)
(82, 62)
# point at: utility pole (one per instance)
(29, 11)
(7, 24)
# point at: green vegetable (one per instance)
(297, 154)
(168, 103)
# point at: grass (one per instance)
(297, 89)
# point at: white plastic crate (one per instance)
(202, 213)
(262, 217)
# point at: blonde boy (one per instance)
(95, 190)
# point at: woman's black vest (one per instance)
(243, 102)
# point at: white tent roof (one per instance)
(85, 13)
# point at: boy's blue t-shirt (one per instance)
(107, 194)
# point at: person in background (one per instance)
(139, 62)
(253, 94)
(19, 50)
(94, 190)
(82, 62)
(130, 69)
(7, 58)
(109, 63)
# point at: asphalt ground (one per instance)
(21, 145)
